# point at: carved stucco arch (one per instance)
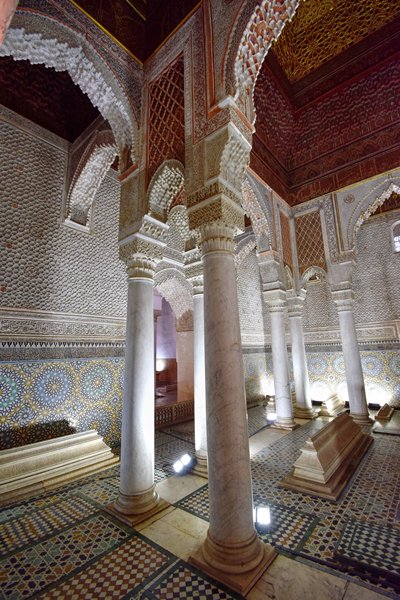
(312, 273)
(90, 173)
(289, 279)
(368, 204)
(257, 26)
(65, 50)
(252, 204)
(244, 248)
(175, 289)
(166, 183)
(235, 158)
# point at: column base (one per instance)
(285, 423)
(361, 418)
(236, 577)
(135, 509)
(201, 467)
(305, 413)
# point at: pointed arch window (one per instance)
(396, 236)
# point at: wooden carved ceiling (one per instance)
(323, 29)
(46, 97)
(327, 99)
(140, 26)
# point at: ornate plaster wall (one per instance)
(62, 297)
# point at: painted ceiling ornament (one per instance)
(325, 28)
(348, 199)
(264, 27)
(22, 45)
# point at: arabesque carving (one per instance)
(173, 286)
(258, 219)
(313, 274)
(371, 208)
(50, 52)
(234, 161)
(244, 248)
(166, 184)
(84, 190)
(265, 26)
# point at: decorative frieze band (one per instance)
(41, 326)
(217, 209)
(217, 238)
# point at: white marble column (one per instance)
(276, 302)
(137, 496)
(304, 409)
(200, 421)
(232, 552)
(351, 355)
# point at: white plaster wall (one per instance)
(254, 317)
(166, 332)
(376, 278)
(184, 359)
(45, 265)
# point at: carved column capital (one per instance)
(275, 300)
(217, 238)
(147, 244)
(344, 299)
(296, 302)
(140, 267)
(271, 271)
(198, 285)
(218, 208)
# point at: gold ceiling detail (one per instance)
(322, 29)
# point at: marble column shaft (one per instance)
(137, 492)
(351, 355)
(276, 302)
(231, 544)
(299, 358)
(200, 421)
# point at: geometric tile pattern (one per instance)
(184, 582)
(117, 573)
(375, 545)
(59, 544)
(311, 527)
(34, 526)
(257, 419)
(197, 503)
(29, 571)
(166, 126)
(310, 244)
(43, 399)
(100, 492)
(287, 529)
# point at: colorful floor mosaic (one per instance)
(350, 535)
(63, 545)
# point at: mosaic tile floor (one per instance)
(63, 545)
(359, 534)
